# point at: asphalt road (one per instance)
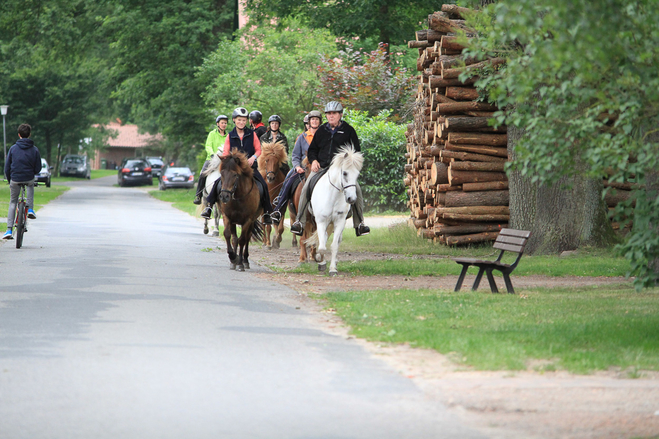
(114, 323)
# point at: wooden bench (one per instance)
(510, 240)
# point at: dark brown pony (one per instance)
(240, 205)
(273, 156)
(310, 226)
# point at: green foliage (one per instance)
(383, 146)
(581, 81)
(265, 69)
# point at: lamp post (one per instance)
(3, 109)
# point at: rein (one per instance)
(343, 188)
(232, 192)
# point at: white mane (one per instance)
(347, 156)
(214, 165)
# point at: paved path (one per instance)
(114, 323)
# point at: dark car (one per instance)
(75, 166)
(44, 175)
(134, 171)
(156, 165)
(172, 177)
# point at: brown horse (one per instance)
(240, 205)
(273, 156)
(310, 226)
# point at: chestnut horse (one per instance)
(240, 204)
(273, 156)
(310, 226)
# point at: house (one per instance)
(127, 143)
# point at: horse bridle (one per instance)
(344, 187)
(232, 192)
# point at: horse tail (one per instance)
(313, 240)
(214, 165)
(258, 233)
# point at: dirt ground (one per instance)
(525, 404)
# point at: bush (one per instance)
(383, 146)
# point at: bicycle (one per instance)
(21, 214)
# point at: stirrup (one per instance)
(276, 217)
(296, 228)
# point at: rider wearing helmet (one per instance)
(214, 142)
(255, 120)
(243, 139)
(274, 134)
(313, 120)
(325, 144)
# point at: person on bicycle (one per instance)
(242, 139)
(313, 121)
(325, 144)
(23, 163)
(214, 142)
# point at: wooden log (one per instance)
(627, 186)
(454, 73)
(447, 187)
(425, 233)
(478, 139)
(480, 113)
(477, 166)
(486, 186)
(418, 44)
(476, 218)
(460, 177)
(438, 173)
(429, 35)
(466, 123)
(468, 156)
(439, 22)
(435, 81)
(460, 107)
(462, 93)
(454, 61)
(474, 210)
(462, 229)
(614, 197)
(478, 149)
(482, 198)
(471, 239)
(458, 10)
(451, 43)
(418, 223)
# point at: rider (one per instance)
(22, 164)
(242, 139)
(274, 135)
(312, 120)
(325, 144)
(214, 142)
(255, 120)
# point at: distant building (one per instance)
(128, 143)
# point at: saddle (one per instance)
(313, 180)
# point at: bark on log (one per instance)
(437, 81)
(418, 44)
(454, 73)
(482, 198)
(478, 139)
(438, 173)
(478, 149)
(474, 210)
(623, 186)
(468, 156)
(441, 23)
(477, 166)
(429, 35)
(451, 43)
(418, 223)
(458, 10)
(443, 229)
(471, 239)
(460, 107)
(466, 123)
(447, 187)
(613, 197)
(476, 218)
(459, 177)
(489, 114)
(462, 93)
(487, 186)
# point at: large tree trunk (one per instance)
(559, 219)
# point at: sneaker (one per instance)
(208, 211)
(362, 230)
(276, 217)
(31, 214)
(267, 219)
(197, 200)
(296, 228)
(8, 235)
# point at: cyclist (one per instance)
(242, 139)
(214, 142)
(313, 121)
(23, 163)
(255, 120)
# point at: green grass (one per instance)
(42, 196)
(579, 331)
(96, 173)
(180, 199)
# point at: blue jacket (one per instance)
(300, 150)
(23, 161)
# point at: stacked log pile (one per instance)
(457, 187)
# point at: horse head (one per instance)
(347, 163)
(233, 168)
(273, 155)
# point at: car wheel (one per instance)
(121, 182)
(48, 182)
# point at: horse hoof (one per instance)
(241, 268)
(216, 233)
(333, 273)
(322, 266)
(246, 264)
(318, 257)
(205, 230)
(232, 266)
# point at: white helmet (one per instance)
(333, 106)
(239, 112)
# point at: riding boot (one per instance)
(361, 229)
(208, 212)
(200, 190)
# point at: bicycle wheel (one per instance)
(20, 223)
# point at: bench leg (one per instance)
(490, 279)
(509, 284)
(477, 281)
(461, 278)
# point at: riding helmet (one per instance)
(274, 118)
(315, 113)
(239, 112)
(333, 106)
(255, 116)
(306, 118)
(220, 117)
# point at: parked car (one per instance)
(44, 175)
(156, 165)
(75, 166)
(134, 171)
(175, 177)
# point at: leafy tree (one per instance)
(581, 83)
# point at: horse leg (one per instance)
(280, 231)
(205, 227)
(339, 225)
(228, 237)
(322, 245)
(266, 241)
(244, 236)
(248, 238)
(216, 214)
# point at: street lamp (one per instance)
(3, 109)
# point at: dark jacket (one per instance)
(23, 161)
(246, 144)
(326, 144)
(281, 137)
(259, 129)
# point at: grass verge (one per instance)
(180, 199)
(95, 173)
(42, 196)
(580, 331)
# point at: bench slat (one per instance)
(509, 247)
(511, 240)
(513, 232)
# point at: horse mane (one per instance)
(213, 166)
(237, 162)
(272, 149)
(347, 156)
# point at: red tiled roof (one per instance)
(128, 137)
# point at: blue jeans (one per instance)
(285, 193)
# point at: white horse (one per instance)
(212, 173)
(330, 203)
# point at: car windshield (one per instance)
(130, 163)
(75, 160)
(179, 171)
(44, 164)
(155, 161)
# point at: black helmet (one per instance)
(274, 118)
(255, 116)
(220, 117)
(239, 112)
